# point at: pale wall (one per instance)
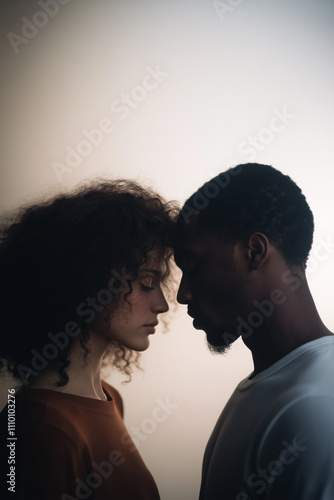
(223, 77)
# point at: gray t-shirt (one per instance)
(275, 437)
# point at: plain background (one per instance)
(226, 69)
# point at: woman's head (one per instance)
(137, 313)
(70, 263)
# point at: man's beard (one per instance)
(220, 344)
(218, 349)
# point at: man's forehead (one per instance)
(196, 239)
(188, 234)
(191, 239)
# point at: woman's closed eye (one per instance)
(149, 279)
(147, 284)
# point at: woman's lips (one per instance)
(150, 328)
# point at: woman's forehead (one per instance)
(154, 262)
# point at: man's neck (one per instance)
(293, 324)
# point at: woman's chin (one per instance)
(139, 345)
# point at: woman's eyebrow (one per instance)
(153, 271)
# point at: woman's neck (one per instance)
(84, 374)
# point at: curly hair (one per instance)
(249, 198)
(63, 264)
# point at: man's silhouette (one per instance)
(242, 242)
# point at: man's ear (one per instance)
(257, 250)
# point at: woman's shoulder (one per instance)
(44, 407)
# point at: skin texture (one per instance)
(127, 325)
(137, 314)
(222, 282)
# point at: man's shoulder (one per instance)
(308, 421)
(308, 370)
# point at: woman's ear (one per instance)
(257, 250)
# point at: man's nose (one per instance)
(184, 294)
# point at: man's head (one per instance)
(227, 234)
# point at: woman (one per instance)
(82, 278)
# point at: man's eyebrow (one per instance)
(182, 255)
(188, 251)
(184, 252)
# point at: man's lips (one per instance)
(191, 313)
(197, 322)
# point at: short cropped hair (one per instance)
(252, 198)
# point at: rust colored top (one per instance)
(72, 447)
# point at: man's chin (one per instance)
(217, 349)
(198, 325)
(218, 343)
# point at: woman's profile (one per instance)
(82, 281)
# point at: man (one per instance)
(242, 242)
